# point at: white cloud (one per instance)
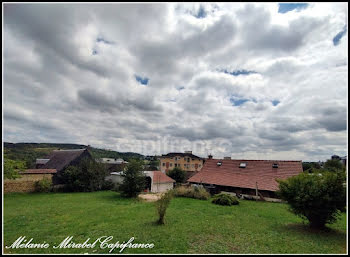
(57, 90)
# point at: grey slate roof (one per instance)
(60, 159)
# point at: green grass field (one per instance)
(192, 226)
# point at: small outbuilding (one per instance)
(156, 181)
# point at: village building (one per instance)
(113, 164)
(245, 177)
(61, 159)
(186, 161)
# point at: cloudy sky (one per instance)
(246, 80)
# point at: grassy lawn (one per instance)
(192, 226)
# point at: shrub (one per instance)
(108, 185)
(177, 174)
(44, 185)
(162, 205)
(88, 176)
(316, 197)
(225, 199)
(133, 179)
(11, 168)
(192, 192)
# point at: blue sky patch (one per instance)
(102, 40)
(201, 13)
(180, 88)
(238, 101)
(239, 72)
(287, 7)
(336, 39)
(143, 81)
(275, 102)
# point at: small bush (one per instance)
(162, 205)
(44, 185)
(225, 199)
(192, 192)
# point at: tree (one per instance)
(154, 165)
(12, 167)
(317, 197)
(88, 176)
(334, 165)
(133, 179)
(177, 174)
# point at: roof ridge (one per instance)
(257, 160)
(61, 150)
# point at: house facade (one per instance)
(245, 177)
(186, 161)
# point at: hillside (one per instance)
(29, 152)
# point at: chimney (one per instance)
(210, 156)
(227, 158)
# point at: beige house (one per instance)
(186, 161)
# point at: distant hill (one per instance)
(29, 152)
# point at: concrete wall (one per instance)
(116, 179)
(161, 187)
(24, 184)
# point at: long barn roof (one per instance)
(260, 172)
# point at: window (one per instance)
(199, 165)
(275, 165)
(243, 165)
(192, 165)
(163, 164)
(218, 163)
(171, 165)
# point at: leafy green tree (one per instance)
(88, 176)
(154, 165)
(334, 165)
(12, 167)
(177, 174)
(316, 197)
(307, 166)
(134, 180)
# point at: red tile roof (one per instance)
(39, 171)
(160, 177)
(256, 171)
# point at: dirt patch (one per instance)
(149, 197)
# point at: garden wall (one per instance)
(24, 184)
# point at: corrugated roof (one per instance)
(60, 159)
(256, 171)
